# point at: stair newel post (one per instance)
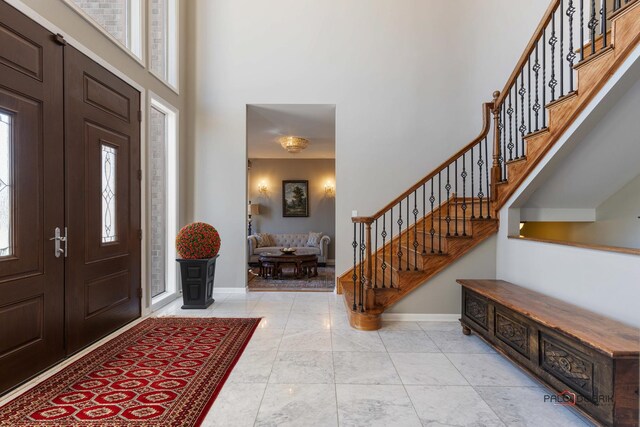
(369, 284)
(496, 168)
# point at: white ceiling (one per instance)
(267, 122)
(603, 156)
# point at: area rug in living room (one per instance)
(323, 282)
(161, 372)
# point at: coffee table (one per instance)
(271, 264)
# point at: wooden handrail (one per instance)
(528, 51)
(486, 126)
(362, 219)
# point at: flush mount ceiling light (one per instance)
(293, 144)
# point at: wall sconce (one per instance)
(329, 189)
(262, 188)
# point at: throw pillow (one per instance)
(265, 240)
(314, 239)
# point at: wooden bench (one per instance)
(571, 350)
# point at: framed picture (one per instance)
(295, 198)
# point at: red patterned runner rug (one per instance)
(161, 372)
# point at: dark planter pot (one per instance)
(197, 281)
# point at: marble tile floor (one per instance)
(305, 366)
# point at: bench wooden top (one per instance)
(594, 330)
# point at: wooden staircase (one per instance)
(455, 208)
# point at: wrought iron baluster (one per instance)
(561, 48)
(432, 231)
(592, 25)
(503, 154)
(571, 55)
(424, 219)
(510, 145)
(552, 42)
(415, 229)
(480, 163)
(375, 259)
(523, 127)
(408, 233)
(362, 261)
(473, 195)
(536, 104)
(384, 248)
(448, 217)
(544, 78)
(400, 222)
(439, 212)
(528, 95)
(486, 173)
(457, 196)
(604, 23)
(391, 254)
(516, 126)
(582, 29)
(355, 264)
(464, 194)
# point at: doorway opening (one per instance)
(290, 201)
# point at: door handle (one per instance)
(58, 240)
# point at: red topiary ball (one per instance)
(198, 241)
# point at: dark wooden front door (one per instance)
(103, 201)
(31, 198)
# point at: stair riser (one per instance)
(414, 261)
(438, 247)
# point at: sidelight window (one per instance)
(6, 181)
(162, 190)
(109, 158)
(158, 172)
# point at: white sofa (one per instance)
(297, 241)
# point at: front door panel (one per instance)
(103, 201)
(31, 199)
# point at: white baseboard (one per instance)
(229, 290)
(420, 317)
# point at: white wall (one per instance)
(615, 222)
(618, 222)
(407, 77)
(604, 282)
